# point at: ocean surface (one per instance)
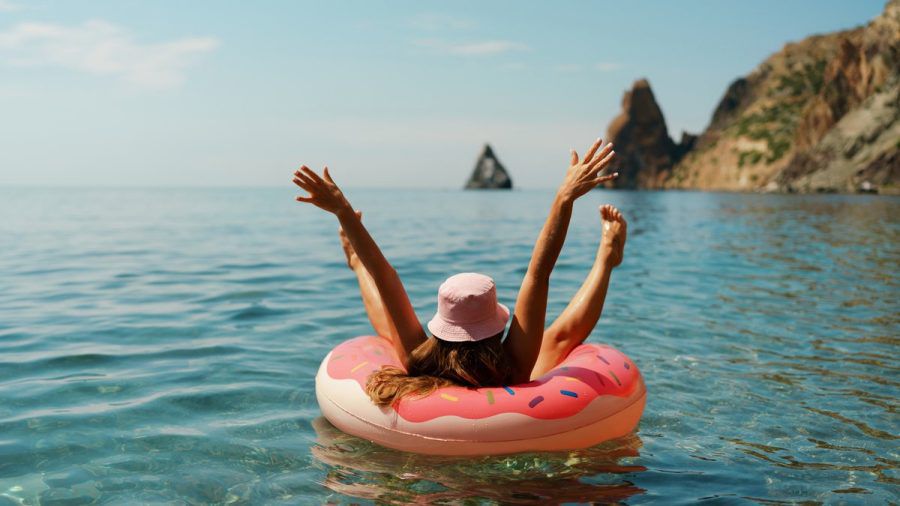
(160, 346)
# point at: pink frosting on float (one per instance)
(588, 372)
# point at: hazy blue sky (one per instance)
(387, 93)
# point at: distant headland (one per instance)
(821, 115)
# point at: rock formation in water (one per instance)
(645, 154)
(819, 115)
(489, 173)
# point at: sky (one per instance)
(387, 94)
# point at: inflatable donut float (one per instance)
(595, 394)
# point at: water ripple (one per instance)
(161, 346)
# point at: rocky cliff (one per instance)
(489, 173)
(819, 115)
(645, 154)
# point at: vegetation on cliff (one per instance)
(778, 128)
(819, 115)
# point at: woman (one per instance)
(467, 346)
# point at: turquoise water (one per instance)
(159, 346)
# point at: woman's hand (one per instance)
(584, 176)
(526, 331)
(323, 193)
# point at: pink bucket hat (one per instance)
(468, 309)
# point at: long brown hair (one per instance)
(436, 364)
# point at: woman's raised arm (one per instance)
(526, 331)
(325, 194)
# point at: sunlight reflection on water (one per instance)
(161, 345)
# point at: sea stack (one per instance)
(645, 154)
(489, 173)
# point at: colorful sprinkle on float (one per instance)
(595, 394)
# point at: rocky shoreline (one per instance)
(821, 115)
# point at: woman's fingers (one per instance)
(304, 177)
(574, 160)
(309, 183)
(312, 175)
(602, 164)
(603, 179)
(603, 154)
(593, 149)
(302, 184)
(304, 199)
(328, 176)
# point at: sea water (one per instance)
(160, 346)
